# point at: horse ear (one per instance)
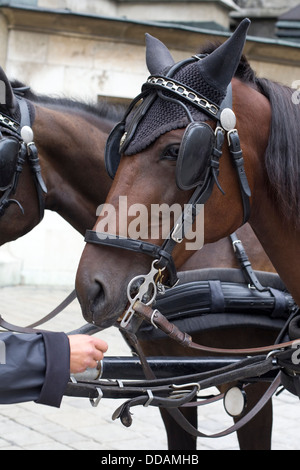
(219, 67)
(158, 56)
(7, 98)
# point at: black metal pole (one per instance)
(163, 367)
(129, 368)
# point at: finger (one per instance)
(97, 356)
(94, 364)
(100, 344)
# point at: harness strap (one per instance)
(164, 257)
(186, 425)
(33, 157)
(171, 406)
(245, 264)
(30, 329)
(184, 92)
(5, 202)
(14, 128)
(217, 296)
(38, 179)
(17, 329)
(238, 160)
(175, 392)
(25, 116)
(229, 374)
(279, 302)
(171, 330)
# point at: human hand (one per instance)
(85, 352)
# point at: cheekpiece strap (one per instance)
(238, 160)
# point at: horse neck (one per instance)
(280, 240)
(71, 149)
(273, 225)
(276, 232)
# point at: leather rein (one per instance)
(176, 392)
(163, 255)
(180, 393)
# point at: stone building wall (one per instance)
(263, 14)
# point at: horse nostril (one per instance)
(98, 297)
(93, 302)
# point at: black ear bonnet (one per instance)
(157, 111)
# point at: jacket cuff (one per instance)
(57, 349)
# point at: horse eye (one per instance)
(170, 153)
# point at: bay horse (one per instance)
(177, 146)
(70, 139)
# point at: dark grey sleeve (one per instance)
(34, 368)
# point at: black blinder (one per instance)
(9, 150)
(118, 140)
(112, 149)
(194, 155)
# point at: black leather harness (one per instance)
(12, 140)
(116, 144)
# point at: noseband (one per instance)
(17, 136)
(191, 142)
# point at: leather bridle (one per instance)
(177, 92)
(27, 151)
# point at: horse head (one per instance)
(177, 145)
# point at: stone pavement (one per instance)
(78, 426)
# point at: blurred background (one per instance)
(95, 49)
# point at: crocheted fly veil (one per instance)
(208, 76)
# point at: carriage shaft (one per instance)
(130, 368)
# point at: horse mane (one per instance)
(282, 156)
(102, 109)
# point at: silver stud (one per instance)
(234, 401)
(27, 134)
(228, 119)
